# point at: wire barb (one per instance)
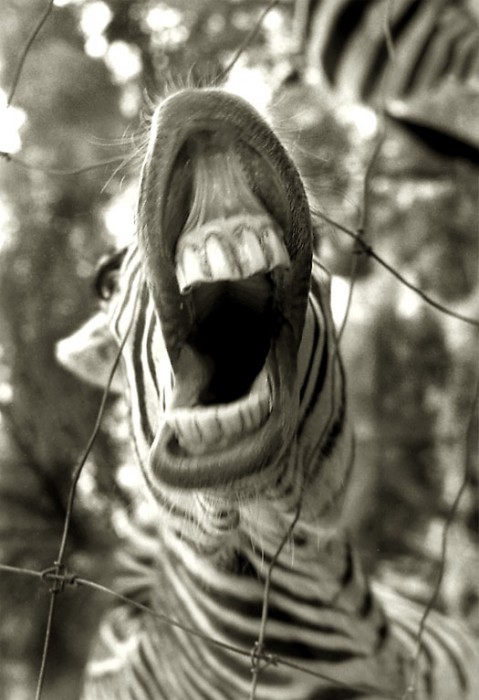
(60, 577)
(57, 572)
(259, 660)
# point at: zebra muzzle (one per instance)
(225, 231)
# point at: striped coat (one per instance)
(240, 422)
(433, 43)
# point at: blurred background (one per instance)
(89, 78)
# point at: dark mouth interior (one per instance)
(234, 323)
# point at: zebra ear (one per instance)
(90, 352)
(444, 118)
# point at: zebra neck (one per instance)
(322, 566)
(321, 563)
(317, 598)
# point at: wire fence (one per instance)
(58, 578)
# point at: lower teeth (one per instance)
(199, 429)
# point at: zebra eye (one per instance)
(106, 278)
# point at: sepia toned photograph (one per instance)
(239, 349)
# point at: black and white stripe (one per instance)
(205, 556)
(322, 614)
(345, 47)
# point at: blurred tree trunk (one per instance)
(50, 244)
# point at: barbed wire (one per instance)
(58, 565)
(369, 250)
(260, 642)
(362, 227)
(11, 158)
(362, 247)
(61, 172)
(60, 578)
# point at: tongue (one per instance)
(193, 374)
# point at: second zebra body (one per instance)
(372, 50)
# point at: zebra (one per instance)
(369, 51)
(241, 428)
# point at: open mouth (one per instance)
(228, 322)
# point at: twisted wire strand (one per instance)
(58, 568)
(260, 643)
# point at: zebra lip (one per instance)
(242, 450)
(206, 429)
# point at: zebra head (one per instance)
(224, 244)
(235, 385)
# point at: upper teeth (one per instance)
(229, 249)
